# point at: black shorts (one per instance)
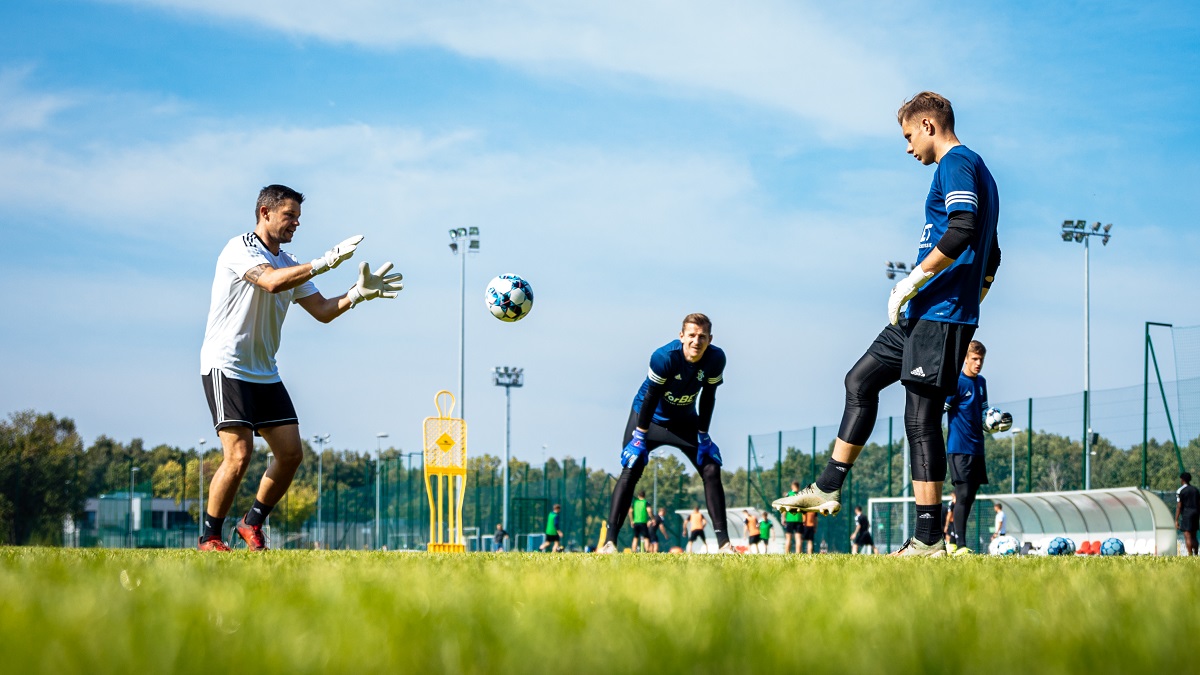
(678, 433)
(237, 403)
(697, 534)
(641, 530)
(755, 539)
(653, 536)
(864, 539)
(807, 533)
(969, 469)
(796, 527)
(928, 353)
(552, 539)
(1189, 521)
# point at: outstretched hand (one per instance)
(336, 255)
(379, 284)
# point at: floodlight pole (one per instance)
(321, 440)
(508, 378)
(378, 465)
(462, 241)
(1078, 232)
(1012, 442)
(132, 470)
(201, 508)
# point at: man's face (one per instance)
(281, 222)
(973, 364)
(918, 131)
(695, 341)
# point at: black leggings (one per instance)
(681, 435)
(923, 408)
(964, 499)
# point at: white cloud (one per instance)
(23, 110)
(783, 55)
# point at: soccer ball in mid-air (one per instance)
(509, 297)
(1005, 545)
(1112, 546)
(1060, 546)
(996, 420)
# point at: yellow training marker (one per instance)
(445, 457)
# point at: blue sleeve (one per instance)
(959, 184)
(717, 375)
(660, 367)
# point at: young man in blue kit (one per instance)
(665, 413)
(932, 315)
(964, 442)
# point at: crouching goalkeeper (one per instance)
(966, 411)
(664, 413)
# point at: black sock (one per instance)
(833, 476)
(257, 514)
(212, 526)
(928, 529)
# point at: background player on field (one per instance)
(753, 534)
(923, 345)
(553, 531)
(639, 515)
(255, 282)
(764, 531)
(693, 529)
(1187, 512)
(664, 413)
(861, 539)
(793, 524)
(964, 442)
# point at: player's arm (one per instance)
(993, 264)
(277, 280)
(325, 309)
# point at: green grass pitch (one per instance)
(114, 611)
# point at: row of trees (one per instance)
(47, 473)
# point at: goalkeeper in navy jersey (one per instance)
(664, 412)
(965, 410)
(932, 316)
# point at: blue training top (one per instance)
(962, 182)
(682, 380)
(965, 416)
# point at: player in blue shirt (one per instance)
(964, 442)
(682, 373)
(923, 345)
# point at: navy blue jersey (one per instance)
(682, 380)
(964, 410)
(961, 183)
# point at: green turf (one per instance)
(98, 611)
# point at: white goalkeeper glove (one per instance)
(334, 256)
(377, 285)
(905, 290)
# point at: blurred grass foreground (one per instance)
(123, 611)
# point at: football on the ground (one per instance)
(509, 297)
(1112, 546)
(1060, 546)
(1005, 545)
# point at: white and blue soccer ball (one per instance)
(995, 419)
(1112, 546)
(509, 297)
(1005, 545)
(1060, 546)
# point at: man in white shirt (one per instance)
(254, 285)
(1001, 528)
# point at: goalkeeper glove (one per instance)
(905, 290)
(634, 450)
(707, 450)
(377, 285)
(334, 256)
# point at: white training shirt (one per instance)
(1001, 521)
(244, 321)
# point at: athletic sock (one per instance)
(257, 514)
(928, 530)
(212, 526)
(833, 476)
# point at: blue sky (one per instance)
(634, 161)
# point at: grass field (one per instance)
(115, 611)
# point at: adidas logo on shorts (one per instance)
(918, 372)
(924, 515)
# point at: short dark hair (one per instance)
(698, 319)
(274, 195)
(976, 347)
(558, 507)
(1186, 477)
(928, 104)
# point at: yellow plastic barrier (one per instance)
(445, 458)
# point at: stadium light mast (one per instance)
(378, 465)
(1077, 231)
(463, 240)
(1012, 442)
(508, 378)
(321, 440)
